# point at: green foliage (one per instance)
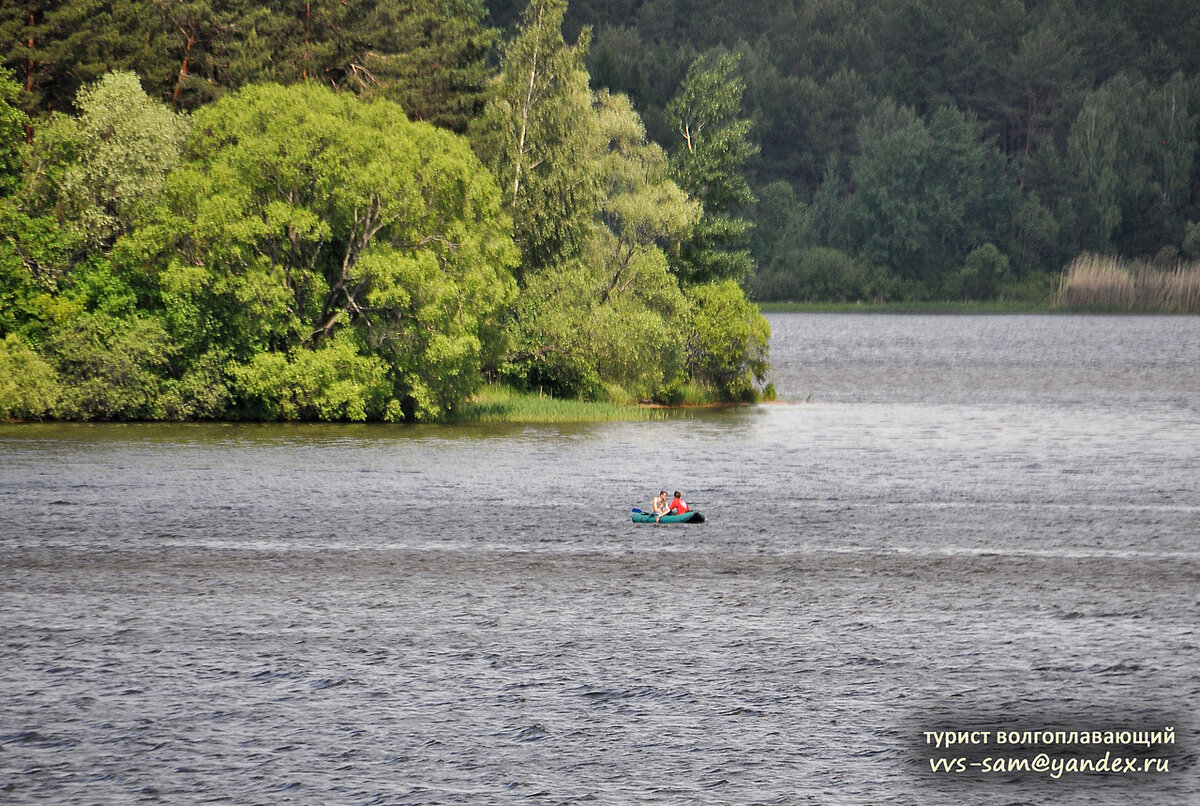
(926, 195)
(110, 368)
(129, 143)
(810, 273)
(29, 387)
(12, 134)
(34, 255)
(50, 48)
(1024, 71)
(985, 269)
(303, 213)
(1105, 166)
(1132, 149)
(572, 341)
(794, 264)
(430, 56)
(202, 391)
(812, 72)
(334, 382)
(609, 324)
(708, 163)
(98, 174)
(501, 404)
(728, 340)
(1036, 233)
(1191, 240)
(536, 136)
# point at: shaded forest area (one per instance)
(921, 149)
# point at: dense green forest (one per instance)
(926, 149)
(363, 209)
(354, 211)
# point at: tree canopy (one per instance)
(254, 224)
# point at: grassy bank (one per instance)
(502, 404)
(1096, 282)
(958, 307)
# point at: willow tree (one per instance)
(123, 145)
(335, 252)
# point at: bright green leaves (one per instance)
(12, 134)
(600, 212)
(334, 382)
(300, 253)
(306, 214)
(112, 368)
(29, 387)
(608, 323)
(128, 144)
(314, 256)
(728, 340)
(537, 135)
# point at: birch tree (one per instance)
(713, 149)
(537, 136)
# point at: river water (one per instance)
(958, 522)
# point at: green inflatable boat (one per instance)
(685, 517)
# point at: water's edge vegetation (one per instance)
(932, 307)
(1111, 283)
(495, 403)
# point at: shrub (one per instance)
(333, 383)
(29, 386)
(982, 272)
(728, 342)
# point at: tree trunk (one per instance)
(183, 68)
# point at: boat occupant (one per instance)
(678, 507)
(660, 506)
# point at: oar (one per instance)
(637, 511)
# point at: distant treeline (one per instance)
(355, 210)
(935, 148)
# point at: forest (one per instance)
(934, 149)
(355, 211)
(366, 209)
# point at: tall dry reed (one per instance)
(1098, 281)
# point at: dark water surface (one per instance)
(976, 522)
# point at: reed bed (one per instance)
(1097, 281)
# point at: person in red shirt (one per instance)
(678, 507)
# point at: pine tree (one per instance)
(430, 56)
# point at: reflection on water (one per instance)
(977, 519)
